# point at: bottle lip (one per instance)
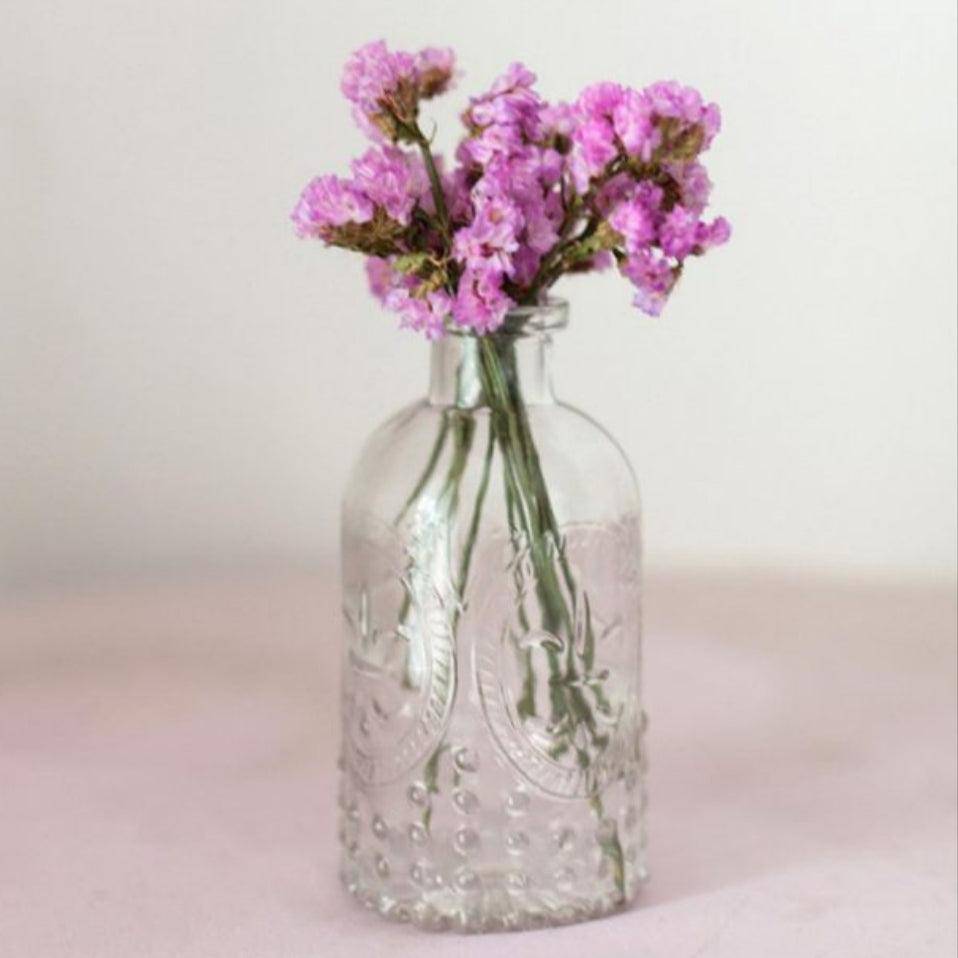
(545, 317)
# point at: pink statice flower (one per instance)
(716, 233)
(389, 178)
(379, 83)
(457, 191)
(537, 190)
(635, 220)
(422, 314)
(653, 277)
(677, 235)
(385, 86)
(670, 100)
(594, 144)
(491, 238)
(633, 124)
(694, 184)
(435, 69)
(558, 119)
(505, 117)
(329, 201)
(481, 305)
(683, 233)
(424, 311)
(381, 277)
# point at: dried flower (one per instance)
(538, 190)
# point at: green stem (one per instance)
(472, 534)
(435, 184)
(432, 766)
(573, 214)
(427, 472)
(528, 498)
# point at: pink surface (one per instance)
(167, 761)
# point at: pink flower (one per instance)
(558, 119)
(716, 233)
(385, 86)
(694, 184)
(516, 77)
(599, 101)
(635, 221)
(423, 314)
(329, 201)
(632, 121)
(387, 177)
(381, 277)
(457, 190)
(480, 304)
(378, 83)
(491, 237)
(619, 188)
(653, 279)
(512, 103)
(612, 177)
(595, 148)
(683, 233)
(679, 231)
(435, 67)
(671, 100)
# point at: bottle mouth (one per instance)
(545, 317)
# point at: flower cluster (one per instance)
(538, 190)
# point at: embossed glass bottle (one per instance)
(492, 763)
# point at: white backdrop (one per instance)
(183, 383)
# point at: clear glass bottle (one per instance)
(492, 762)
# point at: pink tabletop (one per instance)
(167, 765)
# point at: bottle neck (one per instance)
(455, 377)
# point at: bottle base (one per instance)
(492, 907)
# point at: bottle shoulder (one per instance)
(579, 456)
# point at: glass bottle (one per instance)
(492, 762)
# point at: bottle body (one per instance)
(492, 772)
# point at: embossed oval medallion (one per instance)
(561, 703)
(399, 670)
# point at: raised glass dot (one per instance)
(466, 879)
(517, 842)
(425, 875)
(517, 802)
(379, 827)
(417, 834)
(518, 880)
(465, 801)
(465, 759)
(465, 840)
(565, 839)
(565, 876)
(382, 866)
(351, 846)
(417, 793)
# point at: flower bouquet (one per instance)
(492, 760)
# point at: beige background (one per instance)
(184, 384)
